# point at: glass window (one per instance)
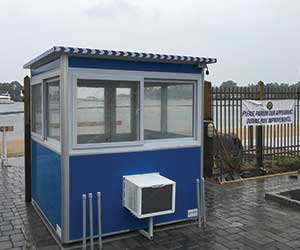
(53, 109)
(152, 109)
(37, 116)
(169, 110)
(127, 108)
(123, 108)
(107, 111)
(90, 112)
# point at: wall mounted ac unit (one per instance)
(148, 195)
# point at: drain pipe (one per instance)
(91, 221)
(99, 220)
(83, 222)
(198, 202)
(203, 202)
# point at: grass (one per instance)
(288, 162)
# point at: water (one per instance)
(16, 120)
(180, 120)
(180, 117)
(91, 116)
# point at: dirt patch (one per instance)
(270, 167)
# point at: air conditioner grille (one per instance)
(149, 195)
(131, 196)
(157, 199)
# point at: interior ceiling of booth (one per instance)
(253, 40)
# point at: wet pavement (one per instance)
(20, 226)
(238, 218)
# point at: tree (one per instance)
(228, 84)
(14, 89)
(277, 85)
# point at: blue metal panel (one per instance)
(46, 67)
(46, 182)
(92, 173)
(99, 63)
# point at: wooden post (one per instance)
(208, 141)
(207, 101)
(27, 146)
(259, 131)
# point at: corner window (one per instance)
(107, 111)
(168, 109)
(36, 106)
(52, 109)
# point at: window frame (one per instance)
(195, 115)
(96, 76)
(40, 79)
(140, 145)
(110, 88)
(51, 140)
(33, 133)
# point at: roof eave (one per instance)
(58, 50)
(38, 58)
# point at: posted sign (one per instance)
(267, 112)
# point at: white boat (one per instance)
(5, 99)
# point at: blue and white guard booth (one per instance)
(126, 124)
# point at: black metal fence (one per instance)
(276, 140)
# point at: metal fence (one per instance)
(273, 140)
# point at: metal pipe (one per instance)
(203, 202)
(99, 220)
(3, 149)
(84, 222)
(151, 227)
(198, 202)
(91, 221)
(149, 233)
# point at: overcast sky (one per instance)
(252, 39)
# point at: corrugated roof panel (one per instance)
(120, 55)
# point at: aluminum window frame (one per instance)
(110, 109)
(98, 76)
(51, 140)
(141, 145)
(40, 79)
(195, 117)
(33, 133)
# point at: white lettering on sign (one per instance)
(267, 112)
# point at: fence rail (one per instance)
(270, 141)
(279, 140)
(227, 110)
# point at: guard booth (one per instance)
(101, 121)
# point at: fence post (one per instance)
(208, 141)
(259, 130)
(27, 142)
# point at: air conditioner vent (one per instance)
(148, 195)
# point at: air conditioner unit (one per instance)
(148, 195)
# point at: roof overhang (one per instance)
(56, 51)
